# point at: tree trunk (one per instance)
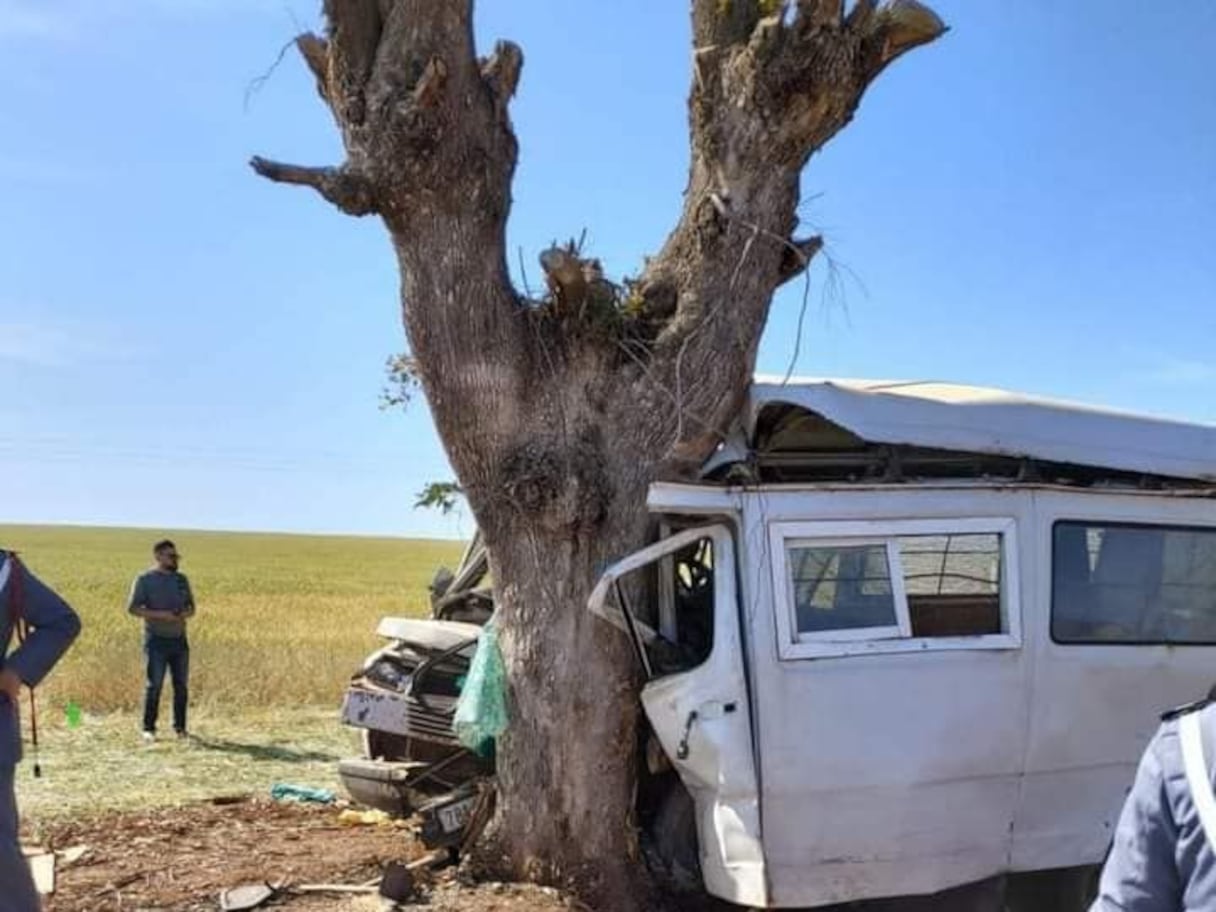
(557, 413)
(566, 786)
(575, 502)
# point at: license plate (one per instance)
(453, 817)
(379, 710)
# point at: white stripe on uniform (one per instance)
(1190, 733)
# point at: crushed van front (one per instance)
(702, 719)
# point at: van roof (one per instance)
(972, 419)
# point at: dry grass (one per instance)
(104, 766)
(282, 620)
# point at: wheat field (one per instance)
(283, 620)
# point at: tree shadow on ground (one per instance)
(269, 752)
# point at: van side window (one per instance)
(843, 587)
(953, 584)
(921, 580)
(1133, 584)
(950, 586)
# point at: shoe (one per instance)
(149, 736)
(181, 735)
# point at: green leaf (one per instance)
(439, 495)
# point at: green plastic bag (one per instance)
(481, 711)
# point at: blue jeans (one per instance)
(171, 654)
(17, 892)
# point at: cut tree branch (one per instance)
(501, 72)
(720, 23)
(429, 148)
(897, 28)
(819, 13)
(354, 35)
(797, 257)
(349, 192)
(859, 16)
(768, 92)
(315, 52)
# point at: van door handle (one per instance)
(711, 710)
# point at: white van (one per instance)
(908, 636)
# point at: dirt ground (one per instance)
(180, 859)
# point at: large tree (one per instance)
(557, 413)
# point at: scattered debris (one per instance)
(228, 799)
(483, 810)
(352, 817)
(73, 855)
(282, 791)
(452, 896)
(42, 866)
(182, 858)
(398, 883)
(333, 888)
(249, 896)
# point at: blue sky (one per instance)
(1031, 203)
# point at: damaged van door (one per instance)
(696, 693)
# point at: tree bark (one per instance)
(567, 781)
(557, 414)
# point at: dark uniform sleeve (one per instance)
(54, 625)
(1141, 874)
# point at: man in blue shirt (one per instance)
(162, 597)
(52, 628)
(1163, 858)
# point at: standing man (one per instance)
(162, 597)
(52, 627)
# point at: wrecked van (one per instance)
(903, 637)
(403, 698)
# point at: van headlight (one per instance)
(389, 675)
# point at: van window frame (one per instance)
(1097, 521)
(792, 645)
(901, 629)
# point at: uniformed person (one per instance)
(53, 626)
(1163, 857)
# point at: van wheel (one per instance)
(673, 854)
